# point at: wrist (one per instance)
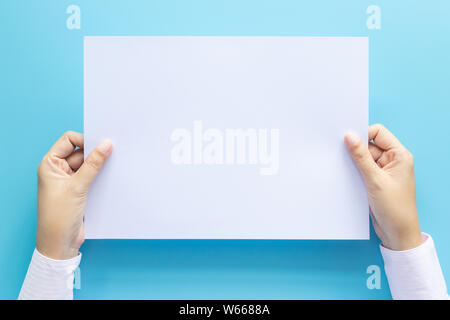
(404, 242)
(58, 254)
(56, 251)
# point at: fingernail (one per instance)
(105, 147)
(351, 139)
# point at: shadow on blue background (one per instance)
(42, 96)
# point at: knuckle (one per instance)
(95, 160)
(378, 126)
(67, 134)
(358, 153)
(358, 157)
(410, 158)
(406, 156)
(92, 164)
(40, 168)
(382, 130)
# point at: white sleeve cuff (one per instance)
(49, 279)
(415, 274)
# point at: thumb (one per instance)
(361, 156)
(93, 164)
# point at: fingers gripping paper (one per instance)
(226, 137)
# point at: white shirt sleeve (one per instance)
(415, 274)
(412, 274)
(49, 279)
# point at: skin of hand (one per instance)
(63, 183)
(387, 168)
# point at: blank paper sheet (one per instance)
(226, 137)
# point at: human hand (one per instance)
(63, 183)
(387, 168)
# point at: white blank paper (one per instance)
(172, 107)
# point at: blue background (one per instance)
(41, 74)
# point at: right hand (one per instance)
(387, 168)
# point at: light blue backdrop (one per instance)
(41, 96)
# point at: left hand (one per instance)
(63, 183)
